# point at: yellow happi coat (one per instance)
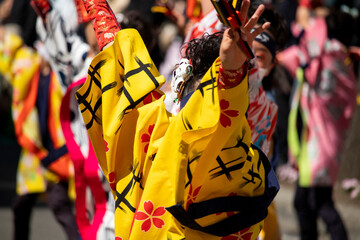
(21, 67)
(160, 167)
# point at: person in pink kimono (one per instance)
(322, 106)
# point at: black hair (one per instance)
(148, 32)
(277, 29)
(254, 4)
(340, 26)
(202, 52)
(134, 19)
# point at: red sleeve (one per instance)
(232, 78)
(82, 14)
(104, 21)
(41, 7)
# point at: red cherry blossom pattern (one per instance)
(106, 146)
(111, 180)
(149, 97)
(150, 216)
(226, 114)
(111, 176)
(145, 138)
(192, 195)
(242, 235)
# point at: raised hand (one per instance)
(231, 55)
(248, 32)
(104, 21)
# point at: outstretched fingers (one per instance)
(245, 5)
(254, 18)
(250, 29)
(260, 29)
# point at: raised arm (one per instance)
(234, 61)
(67, 51)
(104, 21)
(231, 55)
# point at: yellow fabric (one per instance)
(30, 177)
(8, 49)
(271, 230)
(20, 64)
(154, 160)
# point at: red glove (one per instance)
(104, 21)
(41, 7)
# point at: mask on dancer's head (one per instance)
(180, 75)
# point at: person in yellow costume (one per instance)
(44, 164)
(195, 175)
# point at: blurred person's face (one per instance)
(263, 57)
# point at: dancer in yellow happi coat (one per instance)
(44, 163)
(195, 175)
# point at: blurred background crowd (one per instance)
(310, 69)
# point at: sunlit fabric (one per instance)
(195, 175)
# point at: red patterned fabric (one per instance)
(262, 113)
(231, 78)
(82, 14)
(151, 216)
(41, 7)
(210, 24)
(104, 21)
